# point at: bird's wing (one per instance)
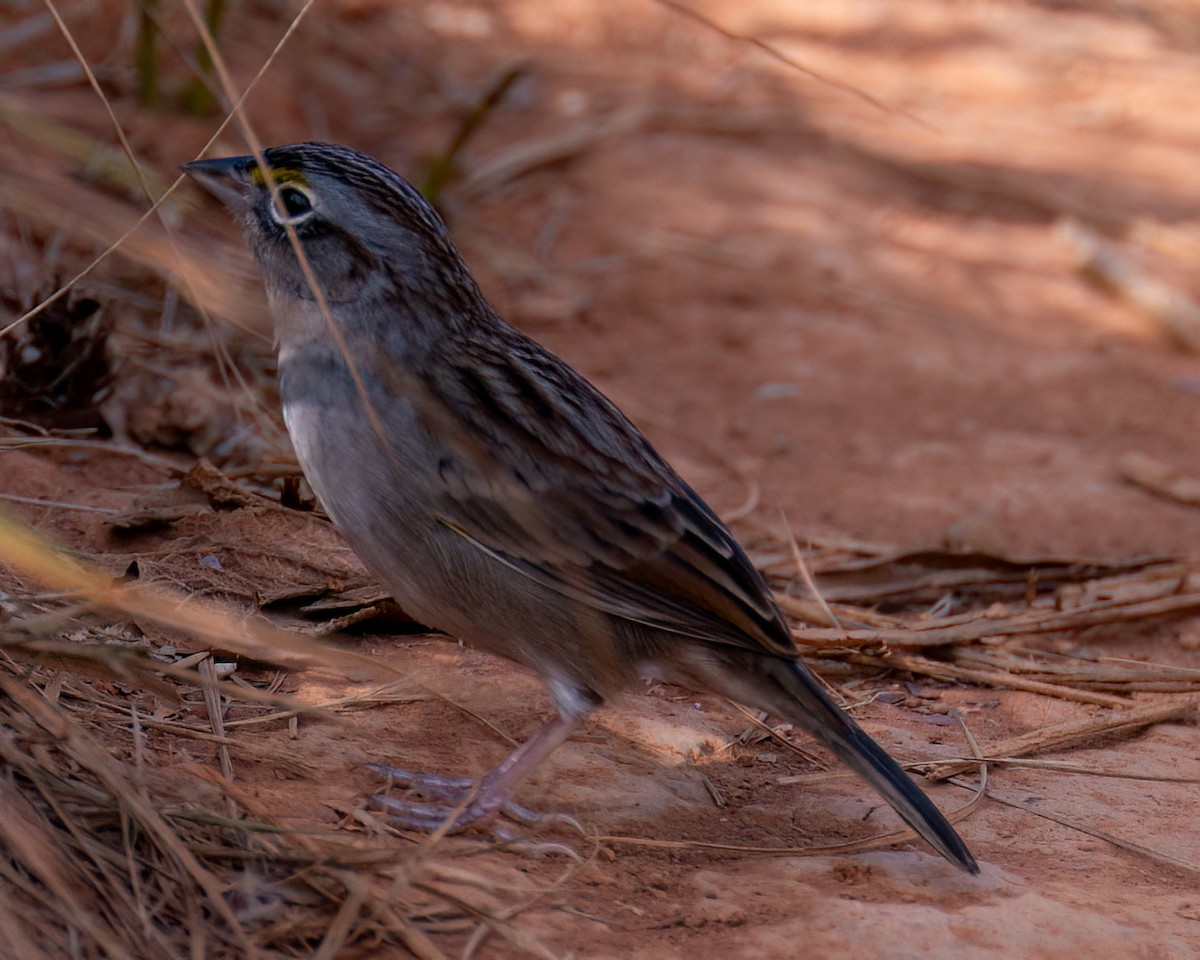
(542, 473)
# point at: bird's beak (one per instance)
(226, 178)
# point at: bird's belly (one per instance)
(380, 500)
(370, 485)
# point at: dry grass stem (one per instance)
(1157, 856)
(96, 854)
(994, 678)
(1072, 734)
(23, 550)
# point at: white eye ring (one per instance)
(297, 205)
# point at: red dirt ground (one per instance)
(878, 316)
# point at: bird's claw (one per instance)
(468, 803)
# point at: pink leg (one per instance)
(493, 796)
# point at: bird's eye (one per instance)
(297, 205)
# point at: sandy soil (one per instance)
(876, 316)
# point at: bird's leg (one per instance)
(485, 801)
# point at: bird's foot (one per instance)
(481, 805)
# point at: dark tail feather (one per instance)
(820, 716)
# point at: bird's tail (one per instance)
(811, 708)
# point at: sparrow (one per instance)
(494, 491)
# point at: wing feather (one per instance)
(542, 473)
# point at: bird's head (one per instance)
(364, 230)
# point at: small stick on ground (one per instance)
(1071, 734)
(988, 678)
